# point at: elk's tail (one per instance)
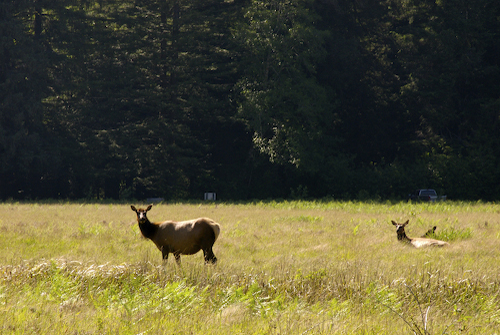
(216, 228)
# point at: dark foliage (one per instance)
(249, 99)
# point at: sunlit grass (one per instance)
(284, 268)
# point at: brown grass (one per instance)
(284, 268)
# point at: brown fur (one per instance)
(417, 242)
(180, 238)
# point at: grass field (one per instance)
(284, 268)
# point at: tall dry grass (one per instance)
(284, 268)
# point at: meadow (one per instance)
(284, 267)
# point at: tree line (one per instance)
(250, 99)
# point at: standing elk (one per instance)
(180, 238)
(417, 242)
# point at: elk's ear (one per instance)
(133, 208)
(394, 222)
(404, 224)
(149, 207)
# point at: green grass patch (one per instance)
(452, 234)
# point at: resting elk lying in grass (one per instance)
(417, 242)
(430, 232)
(180, 238)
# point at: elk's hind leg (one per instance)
(209, 256)
(177, 258)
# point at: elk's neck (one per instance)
(403, 238)
(148, 229)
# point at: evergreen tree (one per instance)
(29, 157)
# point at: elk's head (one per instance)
(400, 229)
(141, 213)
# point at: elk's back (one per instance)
(427, 242)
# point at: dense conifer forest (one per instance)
(350, 99)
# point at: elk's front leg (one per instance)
(164, 252)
